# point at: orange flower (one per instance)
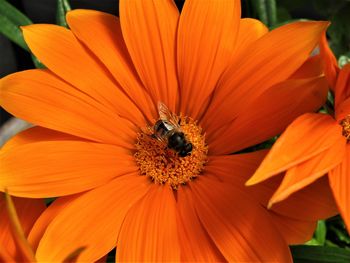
(18, 216)
(230, 82)
(315, 144)
(15, 228)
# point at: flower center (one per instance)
(345, 123)
(165, 165)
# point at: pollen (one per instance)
(164, 165)
(345, 123)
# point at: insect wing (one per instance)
(167, 116)
(160, 138)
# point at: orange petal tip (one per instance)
(73, 12)
(273, 200)
(270, 204)
(252, 181)
(26, 27)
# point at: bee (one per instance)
(167, 130)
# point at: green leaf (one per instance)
(10, 20)
(49, 200)
(341, 234)
(312, 242)
(37, 62)
(318, 254)
(343, 60)
(321, 231)
(266, 10)
(63, 7)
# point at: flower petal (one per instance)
(232, 219)
(52, 168)
(269, 114)
(308, 204)
(22, 246)
(196, 245)
(90, 25)
(36, 134)
(207, 36)
(236, 168)
(282, 50)
(308, 171)
(343, 110)
(149, 29)
(149, 232)
(62, 53)
(311, 68)
(250, 30)
(28, 210)
(306, 137)
(294, 231)
(41, 98)
(40, 225)
(342, 88)
(330, 62)
(93, 221)
(339, 181)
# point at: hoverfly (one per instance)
(167, 130)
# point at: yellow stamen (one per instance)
(345, 123)
(164, 165)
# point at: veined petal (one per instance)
(52, 168)
(41, 98)
(343, 110)
(196, 245)
(62, 53)
(22, 246)
(101, 211)
(149, 232)
(28, 210)
(149, 28)
(89, 26)
(250, 30)
(282, 50)
(235, 168)
(307, 203)
(342, 88)
(42, 222)
(294, 231)
(339, 181)
(269, 114)
(309, 135)
(36, 134)
(311, 68)
(231, 219)
(308, 171)
(330, 63)
(207, 36)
